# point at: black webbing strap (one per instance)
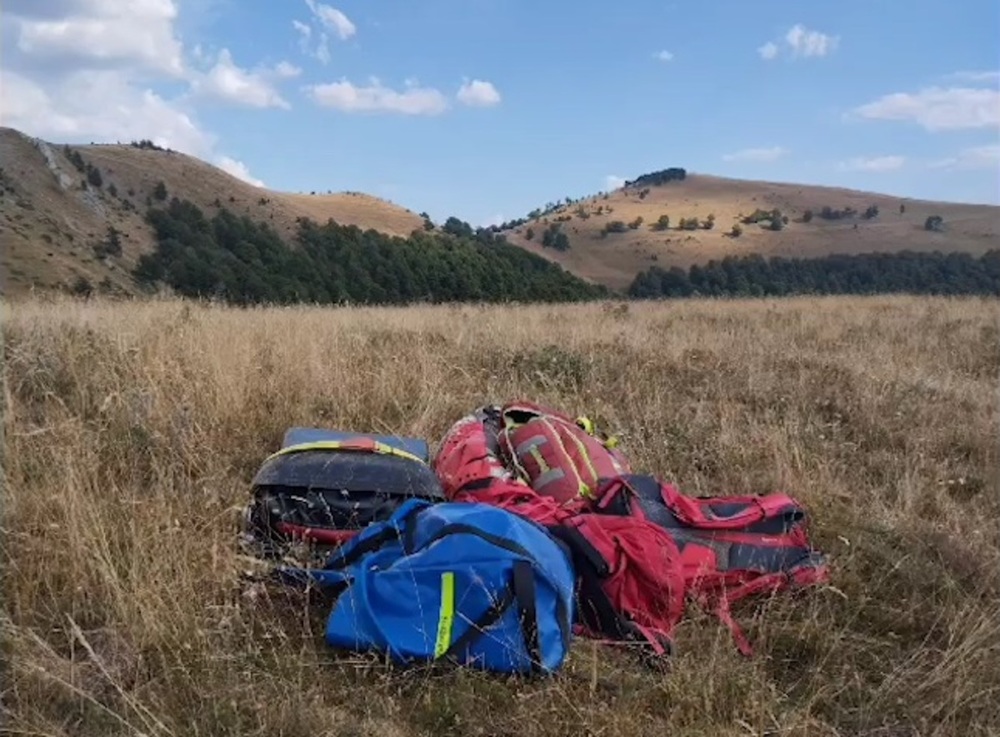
(490, 617)
(524, 591)
(340, 559)
(520, 590)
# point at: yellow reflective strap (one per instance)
(377, 447)
(536, 454)
(585, 424)
(446, 614)
(588, 460)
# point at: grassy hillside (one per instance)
(50, 224)
(132, 432)
(614, 258)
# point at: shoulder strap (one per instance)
(595, 608)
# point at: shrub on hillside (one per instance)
(614, 226)
(934, 222)
(656, 178)
(553, 237)
(94, 177)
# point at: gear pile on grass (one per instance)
(527, 527)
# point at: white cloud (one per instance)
(228, 82)
(768, 50)
(613, 181)
(238, 169)
(83, 70)
(772, 153)
(478, 93)
(800, 41)
(303, 29)
(347, 97)
(874, 164)
(938, 108)
(99, 105)
(323, 18)
(978, 157)
(663, 55)
(101, 33)
(804, 42)
(322, 52)
(332, 19)
(286, 70)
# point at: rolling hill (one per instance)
(614, 258)
(52, 225)
(59, 204)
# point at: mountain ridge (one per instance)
(70, 212)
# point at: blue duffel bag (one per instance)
(467, 583)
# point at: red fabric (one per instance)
(520, 499)
(651, 574)
(562, 446)
(646, 582)
(322, 535)
(465, 458)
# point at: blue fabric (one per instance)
(298, 435)
(392, 598)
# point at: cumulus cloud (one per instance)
(804, 42)
(874, 163)
(663, 55)
(771, 153)
(332, 19)
(227, 82)
(286, 70)
(100, 105)
(350, 98)
(323, 18)
(99, 33)
(478, 93)
(238, 169)
(613, 181)
(768, 50)
(800, 41)
(938, 108)
(84, 70)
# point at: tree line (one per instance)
(240, 261)
(868, 273)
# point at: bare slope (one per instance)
(615, 258)
(50, 224)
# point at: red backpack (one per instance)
(624, 591)
(556, 455)
(729, 547)
(640, 547)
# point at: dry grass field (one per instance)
(132, 432)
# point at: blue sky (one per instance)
(486, 109)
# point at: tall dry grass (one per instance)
(132, 431)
